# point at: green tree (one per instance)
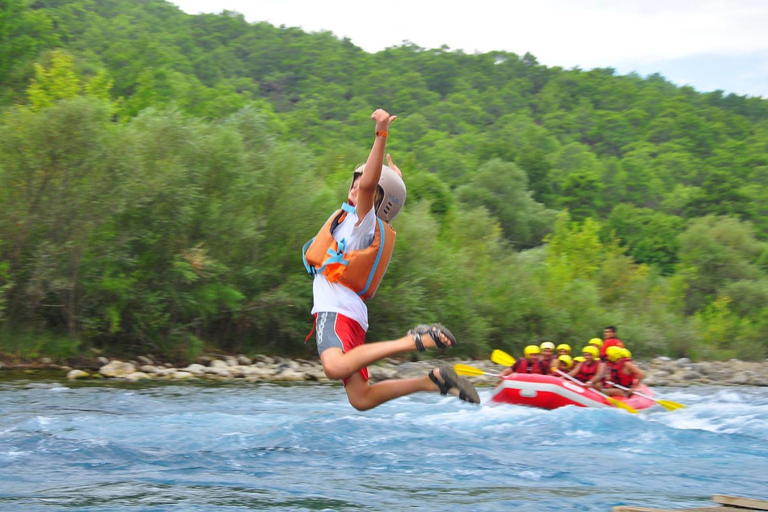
(24, 33)
(501, 188)
(714, 252)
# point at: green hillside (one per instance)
(159, 173)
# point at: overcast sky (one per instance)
(707, 44)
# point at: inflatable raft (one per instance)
(548, 392)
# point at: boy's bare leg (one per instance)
(340, 365)
(363, 396)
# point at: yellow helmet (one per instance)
(627, 353)
(614, 353)
(547, 344)
(531, 350)
(596, 342)
(564, 346)
(567, 360)
(591, 349)
(579, 359)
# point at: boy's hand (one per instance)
(383, 119)
(392, 165)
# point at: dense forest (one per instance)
(160, 172)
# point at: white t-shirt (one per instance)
(335, 297)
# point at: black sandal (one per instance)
(451, 380)
(434, 331)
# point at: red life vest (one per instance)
(610, 342)
(587, 372)
(360, 270)
(522, 366)
(620, 377)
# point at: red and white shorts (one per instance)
(337, 330)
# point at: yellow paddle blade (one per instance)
(670, 405)
(465, 369)
(502, 358)
(621, 405)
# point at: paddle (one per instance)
(611, 400)
(502, 358)
(667, 404)
(465, 369)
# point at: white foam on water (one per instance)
(581, 434)
(531, 475)
(14, 454)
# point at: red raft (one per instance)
(548, 392)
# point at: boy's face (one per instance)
(352, 196)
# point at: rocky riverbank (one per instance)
(660, 371)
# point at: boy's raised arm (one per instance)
(372, 172)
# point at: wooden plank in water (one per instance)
(730, 504)
(628, 508)
(734, 501)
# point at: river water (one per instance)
(239, 446)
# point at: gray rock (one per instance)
(148, 368)
(143, 360)
(290, 375)
(691, 375)
(683, 362)
(102, 360)
(137, 376)
(739, 378)
(703, 368)
(182, 375)
(244, 361)
(264, 359)
(117, 369)
(218, 363)
(237, 371)
(258, 372)
(316, 375)
(78, 374)
(231, 361)
(195, 369)
(218, 371)
(379, 373)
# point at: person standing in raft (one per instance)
(610, 340)
(348, 258)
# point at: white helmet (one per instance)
(393, 193)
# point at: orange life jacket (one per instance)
(361, 270)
